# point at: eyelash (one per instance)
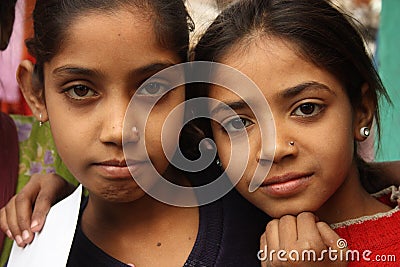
(71, 93)
(244, 123)
(316, 110)
(162, 89)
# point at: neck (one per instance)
(115, 215)
(350, 201)
(128, 231)
(145, 210)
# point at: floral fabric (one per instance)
(37, 154)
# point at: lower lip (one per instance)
(118, 172)
(286, 188)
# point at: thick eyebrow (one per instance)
(147, 69)
(228, 106)
(297, 89)
(70, 69)
(151, 68)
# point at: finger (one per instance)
(3, 223)
(287, 231)
(262, 253)
(272, 235)
(309, 236)
(24, 201)
(52, 188)
(40, 192)
(333, 240)
(56, 187)
(263, 241)
(23, 205)
(329, 236)
(272, 242)
(42, 206)
(13, 223)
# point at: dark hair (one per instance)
(52, 18)
(322, 34)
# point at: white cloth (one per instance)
(51, 246)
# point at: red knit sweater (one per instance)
(376, 237)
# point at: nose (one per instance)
(285, 144)
(266, 148)
(113, 120)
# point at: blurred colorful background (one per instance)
(380, 17)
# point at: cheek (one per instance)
(223, 145)
(238, 156)
(71, 132)
(69, 147)
(162, 130)
(337, 141)
(331, 146)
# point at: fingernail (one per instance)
(18, 239)
(34, 223)
(25, 235)
(9, 234)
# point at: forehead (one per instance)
(122, 37)
(118, 27)
(273, 64)
(266, 56)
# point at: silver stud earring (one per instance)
(40, 120)
(291, 143)
(365, 132)
(218, 163)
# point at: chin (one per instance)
(278, 213)
(118, 195)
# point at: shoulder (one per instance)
(377, 231)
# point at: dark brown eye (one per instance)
(307, 108)
(152, 89)
(81, 90)
(237, 124)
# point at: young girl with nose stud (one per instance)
(309, 61)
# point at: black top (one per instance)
(229, 234)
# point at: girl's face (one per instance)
(310, 108)
(88, 86)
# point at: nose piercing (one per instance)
(135, 132)
(291, 143)
(365, 131)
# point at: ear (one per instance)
(32, 90)
(364, 112)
